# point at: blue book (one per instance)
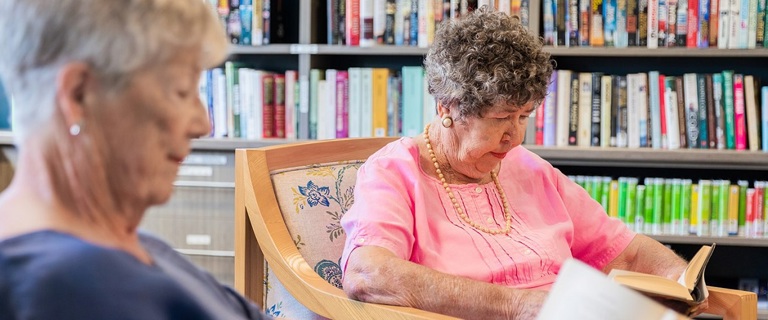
(413, 124)
(5, 110)
(763, 112)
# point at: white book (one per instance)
(426, 19)
(654, 92)
(691, 109)
(642, 109)
(605, 110)
(323, 109)
(734, 19)
(653, 24)
(673, 125)
(505, 6)
(633, 114)
(220, 110)
(327, 115)
(290, 104)
(743, 34)
(563, 104)
(379, 21)
(399, 22)
(723, 24)
(752, 115)
(366, 23)
(355, 102)
(366, 103)
(584, 130)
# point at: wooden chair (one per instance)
(273, 208)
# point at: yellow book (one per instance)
(733, 210)
(694, 216)
(613, 199)
(379, 120)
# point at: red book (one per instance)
(739, 125)
(268, 103)
(279, 95)
(353, 22)
(663, 112)
(693, 24)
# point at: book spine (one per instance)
(672, 118)
(290, 104)
(740, 131)
(584, 15)
(680, 96)
(643, 113)
(268, 106)
(585, 109)
(342, 104)
(413, 124)
(693, 216)
(315, 76)
(632, 22)
(671, 23)
(682, 23)
(714, 22)
(743, 186)
(606, 96)
(640, 209)
(642, 25)
(630, 211)
(596, 33)
(633, 98)
(764, 117)
(728, 106)
(710, 105)
(733, 210)
(266, 13)
(658, 207)
(724, 24)
(561, 22)
(332, 10)
(661, 23)
(550, 112)
(573, 114)
(366, 103)
(656, 119)
(596, 99)
(613, 199)
(389, 22)
(691, 110)
(751, 113)
(379, 102)
(563, 107)
(704, 208)
(353, 22)
(622, 210)
(620, 27)
(717, 101)
(539, 124)
(702, 40)
(622, 114)
(685, 207)
(760, 32)
(715, 225)
(550, 35)
(703, 115)
(413, 33)
(367, 33)
(394, 105)
(693, 24)
(752, 25)
(279, 105)
(573, 23)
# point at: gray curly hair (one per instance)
(115, 37)
(484, 59)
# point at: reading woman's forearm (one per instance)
(646, 255)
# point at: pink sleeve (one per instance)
(597, 238)
(382, 214)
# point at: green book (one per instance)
(730, 142)
(685, 206)
(232, 75)
(658, 206)
(666, 207)
(605, 192)
(640, 209)
(743, 185)
(649, 195)
(704, 207)
(630, 211)
(675, 206)
(722, 208)
(623, 199)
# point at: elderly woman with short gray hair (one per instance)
(462, 220)
(106, 104)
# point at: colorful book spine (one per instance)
(279, 99)
(550, 112)
(733, 210)
(728, 105)
(702, 40)
(611, 16)
(685, 206)
(563, 107)
(764, 117)
(693, 217)
(595, 116)
(667, 214)
(632, 22)
(622, 210)
(691, 109)
(701, 93)
(682, 23)
(740, 126)
(717, 97)
(413, 123)
(355, 101)
(693, 24)
(342, 104)
(650, 223)
(655, 108)
(606, 94)
(743, 186)
(723, 24)
(379, 102)
(675, 206)
(640, 209)
(631, 210)
(657, 225)
(613, 199)
(751, 113)
(291, 99)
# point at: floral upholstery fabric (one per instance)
(312, 199)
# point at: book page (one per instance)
(582, 293)
(696, 266)
(652, 284)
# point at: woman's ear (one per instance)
(73, 83)
(442, 110)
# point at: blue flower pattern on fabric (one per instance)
(330, 271)
(315, 195)
(274, 311)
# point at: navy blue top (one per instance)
(52, 275)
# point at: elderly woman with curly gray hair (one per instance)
(462, 220)
(106, 104)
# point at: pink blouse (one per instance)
(400, 208)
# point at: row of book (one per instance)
(662, 206)
(724, 24)
(252, 22)
(357, 102)
(368, 23)
(710, 111)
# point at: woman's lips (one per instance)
(499, 155)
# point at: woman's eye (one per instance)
(183, 93)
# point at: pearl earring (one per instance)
(447, 121)
(74, 130)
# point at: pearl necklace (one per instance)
(459, 210)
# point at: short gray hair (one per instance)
(484, 59)
(115, 37)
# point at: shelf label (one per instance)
(199, 239)
(304, 49)
(196, 171)
(206, 159)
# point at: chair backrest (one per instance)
(288, 203)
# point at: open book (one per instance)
(689, 288)
(584, 293)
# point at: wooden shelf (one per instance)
(653, 158)
(223, 144)
(721, 241)
(635, 52)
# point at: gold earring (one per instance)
(447, 121)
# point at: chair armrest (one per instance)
(732, 304)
